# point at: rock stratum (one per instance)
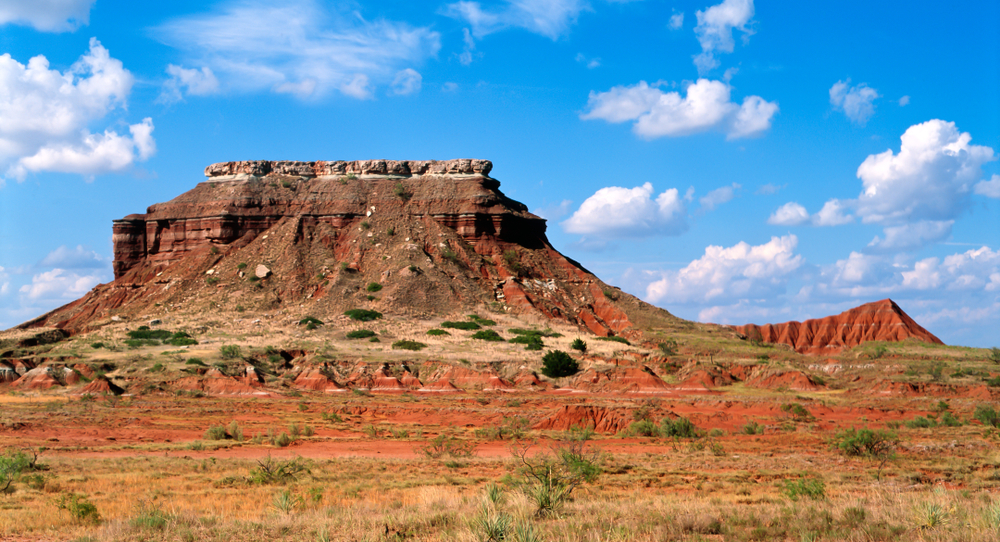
(878, 321)
(438, 237)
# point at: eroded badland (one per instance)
(354, 351)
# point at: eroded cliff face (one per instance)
(438, 236)
(878, 321)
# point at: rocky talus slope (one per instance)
(878, 321)
(435, 237)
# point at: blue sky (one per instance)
(731, 162)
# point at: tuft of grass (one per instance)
(614, 338)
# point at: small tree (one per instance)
(995, 355)
(878, 446)
(578, 344)
(557, 364)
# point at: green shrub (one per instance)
(535, 332)
(866, 443)
(752, 428)
(216, 432)
(987, 415)
(11, 466)
(97, 345)
(241, 266)
(230, 351)
(994, 355)
(481, 321)
(437, 332)
(360, 334)
(813, 488)
(488, 335)
(511, 258)
(796, 410)
(145, 333)
(79, 508)
(195, 361)
(180, 339)
(211, 281)
(309, 320)
(948, 419)
(578, 344)
(680, 428)
(465, 326)
(921, 422)
(138, 343)
(668, 347)
(616, 339)
(642, 428)
(557, 364)
(401, 192)
(363, 315)
(373, 287)
(531, 342)
(408, 345)
(993, 382)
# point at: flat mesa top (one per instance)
(401, 168)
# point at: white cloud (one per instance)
(725, 275)
(676, 21)
(706, 106)
(549, 18)
(59, 284)
(930, 179)
(832, 214)
(46, 113)
(912, 236)
(470, 48)
(904, 101)
(629, 212)
(73, 258)
(719, 196)
(591, 63)
(187, 81)
(358, 87)
(857, 102)
(990, 188)
(407, 82)
(298, 47)
(768, 189)
(449, 86)
(715, 30)
(47, 15)
(789, 214)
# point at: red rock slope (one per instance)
(439, 236)
(879, 321)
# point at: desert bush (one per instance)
(443, 444)
(668, 347)
(680, 428)
(401, 192)
(557, 364)
(437, 332)
(216, 432)
(195, 361)
(481, 321)
(230, 351)
(549, 479)
(987, 415)
(510, 257)
(796, 410)
(509, 428)
(534, 332)
(578, 344)
(145, 333)
(363, 315)
(270, 471)
(465, 326)
(866, 442)
(373, 287)
(752, 428)
(97, 345)
(408, 345)
(530, 342)
(360, 334)
(642, 428)
(614, 338)
(79, 508)
(150, 518)
(180, 338)
(11, 467)
(488, 335)
(451, 256)
(921, 422)
(948, 419)
(994, 355)
(812, 487)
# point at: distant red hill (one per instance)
(878, 321)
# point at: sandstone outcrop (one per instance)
(438, 235)
(878, 321)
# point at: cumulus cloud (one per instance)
(929, 179)
(184, 81)
(705, 107)
(715, 30)
(614, 212)
(789, 214)
(59, 284)
(549, 18)
(676, 21)
(47, 15)
(990, 188)
(46, 113)
(719, 196)
(407, 82)
(833, 213)
(725, 275)
(298, 47)
(912, 236)
(857, 102)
